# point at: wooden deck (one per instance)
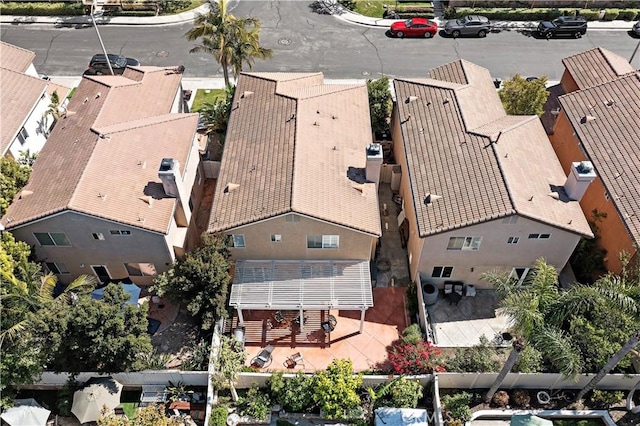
(262, 329)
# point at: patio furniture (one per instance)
(330, 324)
(458, 287)
(293, 360)
(470, 291)
(278, 317)
(448, 288)
(263, 359)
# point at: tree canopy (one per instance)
(522, 97)
(13, 177)
(380, 103)
(201, 280)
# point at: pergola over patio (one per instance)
(302, 284)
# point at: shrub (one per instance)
(294, 394)
(457, 406)
(590, 14)
(412, 299)
(412, 334)
(605, 399)
(42, 9)
(529, 361)
(336, 389)
(218, 416)
(419, 358)
(255, 405)
(521, 398)
(198, 356)
(404, 393)
(628, 14)
(480, 358)
(348, 4)
(500, 399)
(611, 14)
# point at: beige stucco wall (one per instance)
(494, 252)
(354, 245)
(140, 247)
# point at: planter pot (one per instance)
(429, 294)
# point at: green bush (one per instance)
(255, 405)
(294, 394)
(629, 14)
(480, 358)
(611, 14)
(529, 361)
(412, 334)
(218, 416)
(404, 393)
(590, 14)
(42, 9)
(604, 399)
(522, 14)
(457, 406)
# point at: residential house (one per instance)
(113, 190)
(481, 190)
(599, 121)
(24, 101)
(297, 193)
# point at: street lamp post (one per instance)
(93, 19)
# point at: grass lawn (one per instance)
(202, 96)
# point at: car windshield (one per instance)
(120, 61)
(461, 21)
(557, 21)
(408, 23)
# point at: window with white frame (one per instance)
(57, 268)
(276, 238)
(464, 243)
(52, 239)
(141, 269)
(323, 241)
(23, 135)
(238, 241)
(97, 236)
(123, 232)
(513, 240)
(539, 236)
(442, 272)
(510, 219)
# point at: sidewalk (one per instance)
(338, 12)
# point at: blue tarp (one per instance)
(529, 420)
(386, 416)
(132, 289)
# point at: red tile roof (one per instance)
(596, 66)
(15, 58)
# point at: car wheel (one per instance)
(578, 35)
(427, 35)
(455, 33)
(482, 33)
(548, 35)
(400, 34)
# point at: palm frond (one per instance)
(558, 349)
(522, 308)
(14, 332)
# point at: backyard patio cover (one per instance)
(302, 284)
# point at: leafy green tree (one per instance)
(522, 97)
(216, 114)
(232, 41)
(255, 405)
(200, 279)
(13, 177)
(380, 104)
(294, 394)
(105, 336)
(336, 389)
(229, 362)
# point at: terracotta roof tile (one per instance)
(15, 58)
(107, 176)
(596, 66)
(611, 140)
(448, 136)
(19, 95)
(285, 131)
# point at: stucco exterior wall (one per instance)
(353, 245)
(139, 247)
(494, 252)
(614, 236)
(37, 125)
(568, 83)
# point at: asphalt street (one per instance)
(305, 41)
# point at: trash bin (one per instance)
(238, 334)
(429, 294)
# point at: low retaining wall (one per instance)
(551, 414)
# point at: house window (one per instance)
(606, 195)
(120, 232)
(442, 272)
(57, 268)
(23, 135)
(323, 241)
(141, 269)
(539, 236)
(238, 241)
(52, 238)
(464, 243)
(98, 236)
(513, 240)
(276, 238)
(519, 274)
(510, 219)
(292, 218)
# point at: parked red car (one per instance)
(414, 27)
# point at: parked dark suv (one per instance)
(98, 64)
(563, 26)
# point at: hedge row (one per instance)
(407, 15)
(42, 9)
(539, 14)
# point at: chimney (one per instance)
(169, 174)
(374, 162)
(580, 176)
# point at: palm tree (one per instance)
(226, 37)
(518, 346)
(633, 341)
